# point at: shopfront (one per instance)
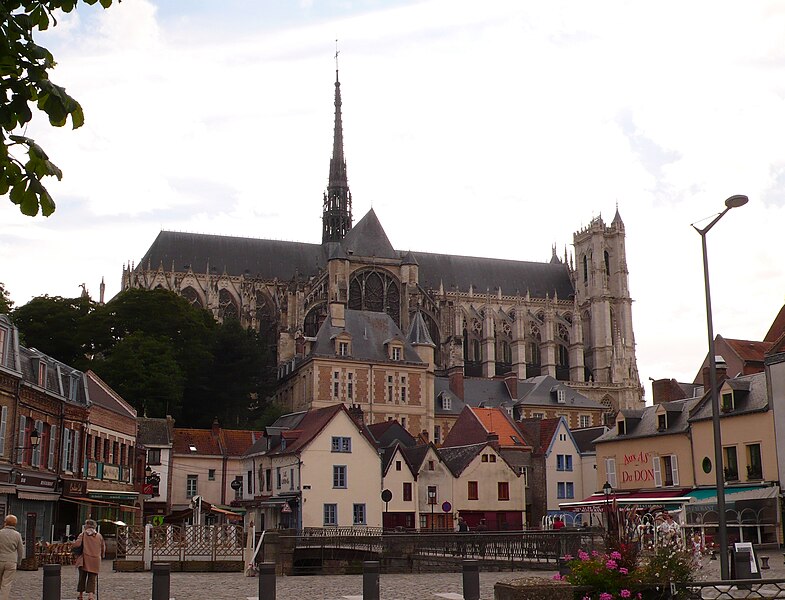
(34, 505)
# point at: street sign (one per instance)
(236, 484)
(147, 488)
(386, 495)
(157, 520)
(447, 507)
(286, 508)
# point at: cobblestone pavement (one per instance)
(235, 586)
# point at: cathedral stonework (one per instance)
(570, 317)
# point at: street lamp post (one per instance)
(732, 202)
(607, 491)
(432, 502)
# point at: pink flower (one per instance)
(568, 557)
(582, 555)
(638, 596)
(623, 571)
(557, 577)
(611, 564)
(606, 596)
(595, 553)
(616, 555)
(626, 594)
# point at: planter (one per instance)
(536, 588)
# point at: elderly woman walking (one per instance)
(89, 560)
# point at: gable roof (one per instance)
(154, 432)
(585, 437)
(101, 394)
(748, 350)
(368, 238)
(497, 421)
(540, 432)
(227, 442)
(388, 433)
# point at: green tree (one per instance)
(54, 325)
(24, 82)
(6, 304)
(144, 370)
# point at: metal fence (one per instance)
(729, 590)
(175, 543)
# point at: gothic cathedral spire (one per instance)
(337, 211)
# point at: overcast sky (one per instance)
(487, 129)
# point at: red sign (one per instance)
(286, 508)
(147, 488)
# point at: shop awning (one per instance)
(705, 496)
(40, 496)
(78, 500)
(642, 499)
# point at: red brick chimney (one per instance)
(722, 373)
(455, 375)
(666, 390)
(493, 439)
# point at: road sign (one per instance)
(386, 495)
(147, 488)
(447, 507)
(286, 508)
(157, 520)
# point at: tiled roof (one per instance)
(497, 421)
(101, 394)
(540, 432)
(753, 399)
(237, 441)
(749, 350)
(585, 437)
(229, 442)
(457, 458)
(777, 328)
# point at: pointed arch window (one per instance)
(585, 269)
(314, 320)
(227, 307)
(192, 296)
(375, 291)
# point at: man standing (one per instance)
(11, 554)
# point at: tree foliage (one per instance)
(55, 326)
(6, 304)
(24, 83)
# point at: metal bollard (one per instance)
(161, 572)
(267, 581)
(371, 580)
(471, 579)
(52, 582)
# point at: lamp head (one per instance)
(736, 201)
(35, 438)
(607, 488)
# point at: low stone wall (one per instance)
(536, 588)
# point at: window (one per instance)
(407, 491)
(339, 476)
(565, 489)
(620, 428)
(446, 403)
(484, 458)
(504, 490)
(538, 415)
(3, 428)
(350, 386)
(341, 444)
(403, 422)
(561, 396)
(754, 462)
(431, 465)
(36, 453)
(291, 479)
(397, 465)
(154, 456)
(250, 482)
(492, 457)
(473, 491)
(727, 401)
(437, 434)
(336, 384)
(662, 424)
(584, 421)
(330, 515)
(389, 388)
(568, 462)
(343, 348)
(560, 462)
(396, 352)
(610, 471)
(115, 453)
(211, 474)
(358, 514)
(268, 479)
(52, 445)
(41, 373)
(403, 389)
(191, 486)
(2, 345)
(731, 464)
(671, 469)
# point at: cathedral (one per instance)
(569, 318)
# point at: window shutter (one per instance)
(3, 421)
(75, 460)
(655, 463)
(675, 468)
(36, 454)
(52, 446)
(19, 452)
(66, 447)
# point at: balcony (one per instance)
(107, 472)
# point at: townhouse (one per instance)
(156, 437)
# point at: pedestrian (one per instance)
(88, 561)
(11, 554)
(462, 526)
(558, 523)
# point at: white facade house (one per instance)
(563, 467)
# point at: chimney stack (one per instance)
(455, 375)
(722, 373)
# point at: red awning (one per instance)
(642, 498)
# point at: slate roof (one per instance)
(387, 433)
(415, 455)
(154, 432)
(58, 375)
(541, 391)
(645, 423)
(418, 332)
(369, 331)
(101, 394)
(744, 401)
(457, 458)
(286, 260)
(585, 437)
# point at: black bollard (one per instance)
(471, 579)
(161, 581)
(51, 582)
(267, 581)
(371, 580)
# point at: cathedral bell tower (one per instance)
(337, 211)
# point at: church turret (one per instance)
(337, 211)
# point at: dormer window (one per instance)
(41, 373)
(396, 352)
(662, 422)
(621, 427)
(343, 348)
(446, 403)
(727, 402)
(2, 346)
(343, 344)
(561, 396)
